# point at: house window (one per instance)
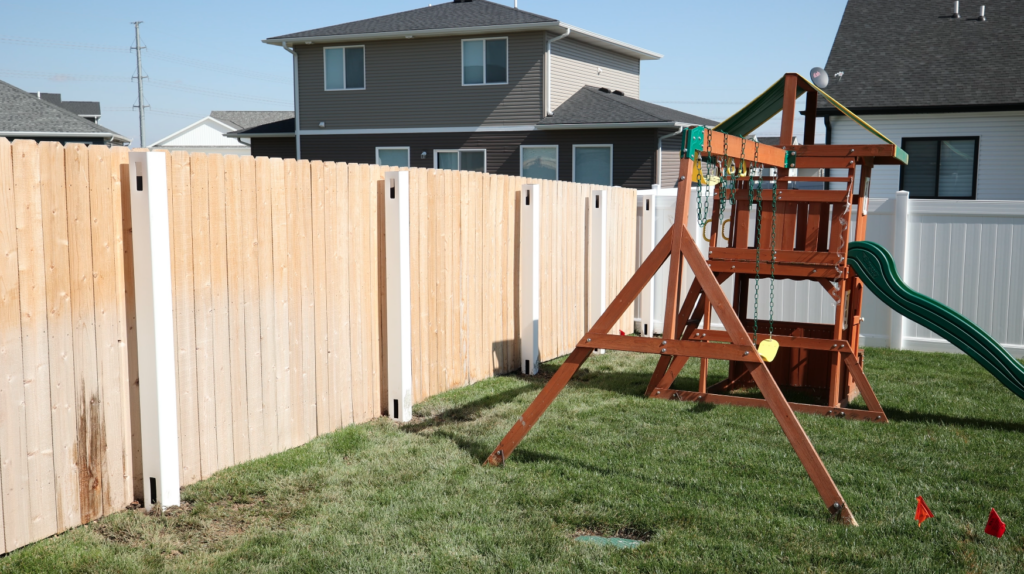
(393, 156)
(485, 61)
(539, 161)
(344, 68)
(592, 164)
(940, 168)
(463, 159)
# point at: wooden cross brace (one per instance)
(678, 247)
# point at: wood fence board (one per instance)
(452, 259)
(441, 269)
(88, 409)
(307, 431)
(331, 276)
(104, 252)
(280, 174)
(416, 219)
(204, 311)
(184, 319)
(14, 474)
(59, 329)
(225, 196)
(245, 297)
(321, 403)
(34, 335)
(377, 294)
(362, 395)
(270, 359)
(220, 317)
(129, 441)
(433, 352)
(130, 358)
(341, 347)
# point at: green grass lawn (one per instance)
(711, 488)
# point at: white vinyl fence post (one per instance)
(647, 240)
(900, 218)
(399, 295)
(154, 312)
(529, 278)
(598, 256)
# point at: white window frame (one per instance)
(437, 151)
(522, 147)
(611, 161)
(462, 61)
(408, 153)
(344, 77)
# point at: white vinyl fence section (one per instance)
(966, 254)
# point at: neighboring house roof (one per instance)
(598, 107)
(913, 56)
(247, 120)
(279, 128)
(91, 109)
(212, 130)
(459, 17)
(24, 114)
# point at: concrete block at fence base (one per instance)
(399, 295)
(158, 406)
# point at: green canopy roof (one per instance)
(769, 103)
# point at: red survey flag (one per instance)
(923, 512)
(996, 527)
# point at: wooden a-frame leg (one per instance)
(801, 443)
(623, 301)
(863, 385)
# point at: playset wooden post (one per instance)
(804, 236)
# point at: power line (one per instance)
(156, 54)
(156, 111)
(160, 83)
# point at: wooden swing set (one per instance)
(798, 234)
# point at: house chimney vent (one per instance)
(605, 90)
(618, 93)
(956, 9)
(982, 17)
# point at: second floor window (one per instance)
(344, 68)
(485, 61)
(940, 168)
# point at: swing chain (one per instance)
(755, 204)
(771, 296)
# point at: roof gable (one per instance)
(439, 16)
(205, 132)
(913, 54)
(592, 105)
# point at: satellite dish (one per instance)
(819, 77)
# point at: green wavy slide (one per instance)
(875, 267)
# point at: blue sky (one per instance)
(205, 56)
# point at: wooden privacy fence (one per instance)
(278, 300)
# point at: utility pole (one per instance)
(139, 77)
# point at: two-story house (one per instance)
(941, 79)
(476, 85)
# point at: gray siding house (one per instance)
(475, 85)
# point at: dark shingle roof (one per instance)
(286, 126)
(911, 54)
(436, 17)
(592, 105)
(77, 108)
(247, 120)
(21, 111)
(82, 108)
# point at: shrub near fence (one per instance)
(279, 301)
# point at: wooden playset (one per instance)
(779, 232)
